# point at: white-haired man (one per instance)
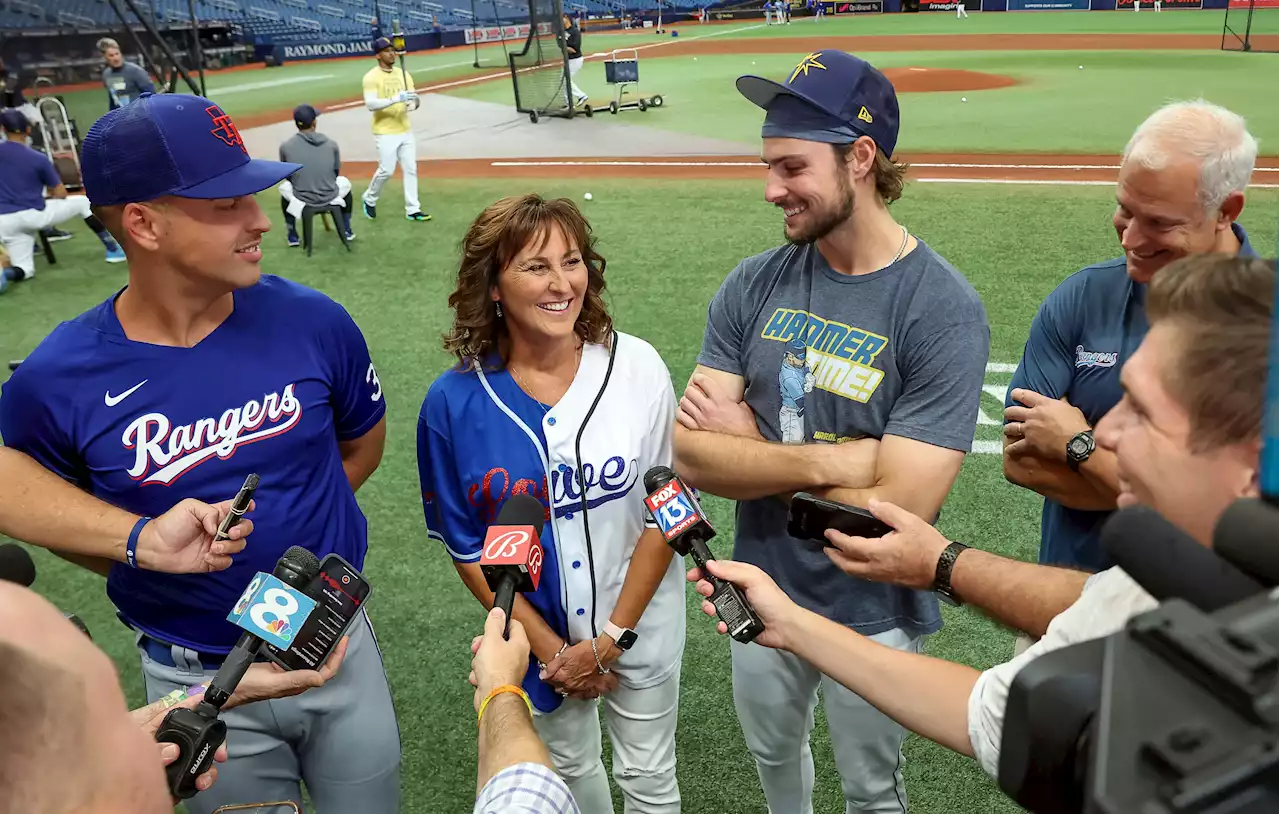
(1187, 436)
(1181, 189)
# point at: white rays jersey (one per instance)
(482, 439)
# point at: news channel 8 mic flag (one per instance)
(271, 610)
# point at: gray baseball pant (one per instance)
(775, 694)
(340, 739)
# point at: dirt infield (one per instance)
(925, 168)
(929, 80)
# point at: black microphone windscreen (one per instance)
(1170, 564)
(302, 560)
(16, 565)
(1245, 536)
(657, 476)
(522, 510)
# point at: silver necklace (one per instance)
(529, 390)
(901, 248)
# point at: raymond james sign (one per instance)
(312, 50)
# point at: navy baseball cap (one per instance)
(380, 43)
(830, 97)
(171, 144)
(305, 115)
(12, 121)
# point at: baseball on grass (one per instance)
(587, 196)
(1082, 67)
(963, 99)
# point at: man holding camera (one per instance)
(1186, 436)
(848, 363)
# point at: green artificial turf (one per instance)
(1056, 107)
(1051, 109)
(669, 245)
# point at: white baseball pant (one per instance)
(775, 694)
(395, 149)
(575, 65)
(960, 10)
(791, 425)
(642, 731)
(18, 229)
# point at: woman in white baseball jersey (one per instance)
(549, 400)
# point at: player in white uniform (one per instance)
(549, 400)
(389, 94)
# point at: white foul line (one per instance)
(270, 83)
(441, 67)
(1001, 367)
(679, 163)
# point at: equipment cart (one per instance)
(621, 70)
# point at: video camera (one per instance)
(1178, 711)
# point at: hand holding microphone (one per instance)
(500, 655)
(686, 529)
(774, 610)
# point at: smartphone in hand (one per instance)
(811, 516)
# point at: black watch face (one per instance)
(1079, 446)
(628, 639)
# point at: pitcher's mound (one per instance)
(927, 80)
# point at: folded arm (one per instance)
(909, 473)
(1093, 488)
(740, 464)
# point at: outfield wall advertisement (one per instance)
(1047, 5)
(1127, 5)
(505, 32)
(1244, 4)
(950, 5)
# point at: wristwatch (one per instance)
(942, 575)
(1079, 448)
(623, 637)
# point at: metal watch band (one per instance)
(942, 574)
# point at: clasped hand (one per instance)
(574, 672)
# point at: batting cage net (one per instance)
(1239, 26)
(540, 72)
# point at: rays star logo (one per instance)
(810, 61)
(163, 452)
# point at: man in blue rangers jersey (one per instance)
(197, 373)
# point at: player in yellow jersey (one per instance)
(389, 94)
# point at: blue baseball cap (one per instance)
(12, 121)
(831, 97)
(171, 144)
(381, 43)
(305, 115)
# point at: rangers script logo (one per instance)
(163, 453)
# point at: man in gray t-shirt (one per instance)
(124, 81)
(848, 364)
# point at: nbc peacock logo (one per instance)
(281, 628)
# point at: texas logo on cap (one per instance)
(172, 144)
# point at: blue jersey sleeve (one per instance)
(358, 402)
(1047, 364)
(48, 174)
(444, 503)
(30, 424)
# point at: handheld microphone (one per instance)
(16, 565)
(1245, 536)
(1169, 564)
(686, 529)
(198, 732)
(512, 556)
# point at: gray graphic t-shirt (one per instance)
(828, 357)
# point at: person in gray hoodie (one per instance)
(319, 182)
(124, 81)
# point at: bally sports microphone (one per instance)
(1169, 564)
(686, 529)
(16, 565)
(512, 557)
(198, 732)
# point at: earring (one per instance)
(498, 306)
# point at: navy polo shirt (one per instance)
(24, 174)
(1082, 335)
